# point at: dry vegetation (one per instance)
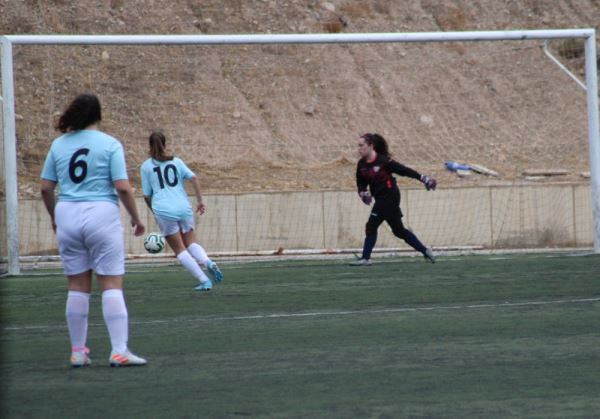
(282, 117)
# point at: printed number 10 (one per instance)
(170, 176)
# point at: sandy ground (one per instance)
(268, 118)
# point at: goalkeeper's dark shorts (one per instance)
(386, 208)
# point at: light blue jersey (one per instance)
(163, 182)
(85, 164)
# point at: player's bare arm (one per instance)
(125, 193)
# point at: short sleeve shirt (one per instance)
(85, 164)
(164, 183)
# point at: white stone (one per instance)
(329, 6)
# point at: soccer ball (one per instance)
(154, 243)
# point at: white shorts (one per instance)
(90, 236)
(170, 227)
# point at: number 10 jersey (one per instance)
(163, 181)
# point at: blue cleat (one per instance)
(204, 286)
(214, 271)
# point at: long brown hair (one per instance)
(158, 146)
(82, 112)
(378, 142)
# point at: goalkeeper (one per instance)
(374, 170)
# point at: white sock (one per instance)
(198, 253)
(116, 318)
(78, 307)
(191, 265)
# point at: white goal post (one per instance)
(8, 98)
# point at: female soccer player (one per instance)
(375, 169)
(88, 166)
(164, 192)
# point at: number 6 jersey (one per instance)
(85, 164)
(163, 182)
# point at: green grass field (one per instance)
(477, 336)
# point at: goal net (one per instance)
(272, 131)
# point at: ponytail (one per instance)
(379, 144)
(158, 145)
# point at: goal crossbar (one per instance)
(339, 38)
(588, 35)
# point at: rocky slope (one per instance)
(254, 118)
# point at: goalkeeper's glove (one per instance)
(366, 197)
(429, 182)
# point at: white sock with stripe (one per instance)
(78, 307)
(116, 318)
(189, 263)
(198, 253)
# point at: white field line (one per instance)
(328, 313)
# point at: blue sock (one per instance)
(369, 245)
(412, 240)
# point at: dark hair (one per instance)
(378, 142)
(158, 145)
(83, 111)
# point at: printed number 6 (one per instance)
(75, 164)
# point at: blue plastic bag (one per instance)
(454, 166)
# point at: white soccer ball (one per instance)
(154, 243)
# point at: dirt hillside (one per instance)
(262, 118)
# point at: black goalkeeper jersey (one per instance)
(377, 175)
